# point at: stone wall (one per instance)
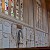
(12, 36)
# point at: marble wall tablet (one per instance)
(20, 45)
(14, 31)
(24, 37)
(36, 41)
(28, 44)
(43, 39)
(12, 42)
(36, 38)
(1, 44)
(21, 40)
(6, 28)
(14, 27)
(32, 43)
(24, 44)
(46, 40)
(6, 23)
(28, 33)
(20, 35)
(1, 35)
(5, 42)
(32, 36)
(5, 35)
(36, 45)
(0, 26)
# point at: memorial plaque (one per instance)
(21, 40)
(46, 40)
(31, 34)
(1, 35)
(1, 27)
(28, 33)
(5, 35)
(12, 43)
(37, 39)
(20, 35)
(6, 23)
(14, 31)
(43, 39)
(14, 26)
(6, 29)
(28, 44)
(24, 37)
(5, 42)
(32, 37)
(36, 45)
(24, 44)
(1, 44)
(32, 43)
(20, 45)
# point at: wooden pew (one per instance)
(35, 48)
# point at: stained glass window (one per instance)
(9, 7)
(6, 6)
(0, 6)
(21, 9)
(3, 6)
(17, 9)
(12, 8)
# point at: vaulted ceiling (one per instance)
(48, 4)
